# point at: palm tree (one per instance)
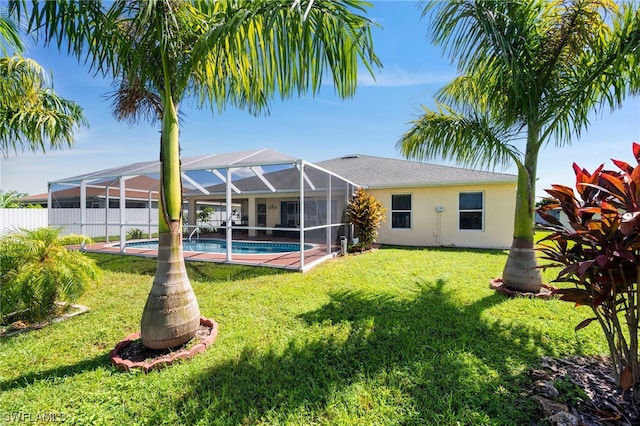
(228, 51)
(531, 72)
(38, 271)
(32, 115)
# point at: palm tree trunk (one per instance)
(171, 315)
(521, 272)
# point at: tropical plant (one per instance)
(161, 53)
(32, 115)
(204, 218)
(599, 253)
(38, 271)
(135, 234)
(531, 72)
(366, 214)
(10, 199)
(546, 201)
(13, 200)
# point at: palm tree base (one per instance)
(521, 271)
(131, 353)
(545, 291)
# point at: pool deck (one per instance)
(290, 260)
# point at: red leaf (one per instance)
(622, 165)
(585, 323)
(616, 185)
(576, 295)
(602, 260)
(636, 151)
(576, 169)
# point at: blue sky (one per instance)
(312, 128)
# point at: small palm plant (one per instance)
(366, 214)
(38, 271)
(135, 234)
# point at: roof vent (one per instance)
(348, 157)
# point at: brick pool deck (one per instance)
(290, 260)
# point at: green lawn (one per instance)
(390, 337)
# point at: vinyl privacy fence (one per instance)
(97, 222)
(14, 219)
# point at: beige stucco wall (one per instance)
(432, 228)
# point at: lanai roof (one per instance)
(260, 157)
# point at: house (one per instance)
(140, 192)
(434, 205)
(271, 195)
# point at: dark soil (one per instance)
(137, 352)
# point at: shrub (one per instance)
(366, 214)
(135, 234)
(38, 271)
(600, 255)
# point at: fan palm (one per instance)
(216, 52)
(32, 115)
(531, 72)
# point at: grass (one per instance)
(395, 336)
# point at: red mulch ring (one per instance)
(131, 353)
(546, 292)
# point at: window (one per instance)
(471, 207)
(261, 216)
(400, 211)
(290, 213)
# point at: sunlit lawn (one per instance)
(395, 336)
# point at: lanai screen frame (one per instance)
(252, 160)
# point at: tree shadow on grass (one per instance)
(428, 359)
(69, 370)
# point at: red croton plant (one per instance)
(599, 252)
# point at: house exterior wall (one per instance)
(441, 228)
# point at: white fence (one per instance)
(14, 219)
(98, 222)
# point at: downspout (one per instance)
(150, 216)
(123, 215)
(106, 213)
(228, 221)
(301, 210)
(329, 220)
(83, 207)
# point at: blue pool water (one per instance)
(220, 246)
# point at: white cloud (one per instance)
(396, 77)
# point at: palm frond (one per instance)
(132, 103)
(32, 115)
(469, 140)
(9, 36)
(252, 50)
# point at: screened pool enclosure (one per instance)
(259, 195)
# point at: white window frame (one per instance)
(481, 210)
(410, 211)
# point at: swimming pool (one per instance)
(220, 246)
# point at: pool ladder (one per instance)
(195, 231)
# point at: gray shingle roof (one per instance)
(379, 172)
